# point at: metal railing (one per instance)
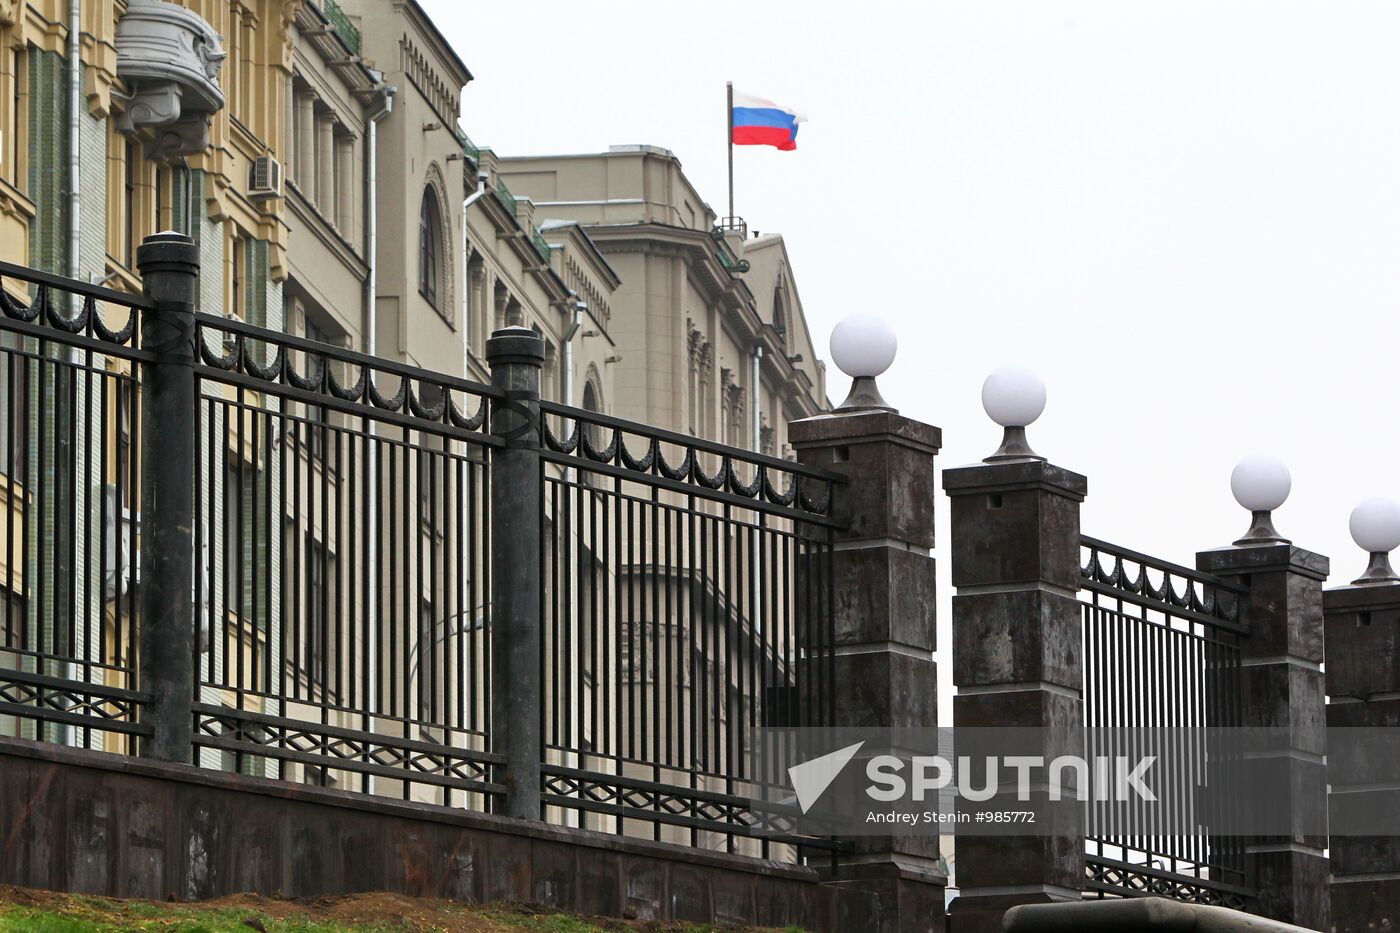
(345, 532)
(541, 246)
(506, 198)
(729, 262)
(327, 590)
(340, 22)
(469, 149)
(70, 496)
(732, 225)
(687, 602)
(1161, 657)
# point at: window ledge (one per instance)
(15, 202)
(122, 278)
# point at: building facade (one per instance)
(708, 323)
(332, 196)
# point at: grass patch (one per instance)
(23, 910)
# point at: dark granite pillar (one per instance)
(1363, 687)
(883, 600)
(1281, 687)
(1017, 662)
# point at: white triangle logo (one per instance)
(811, 778)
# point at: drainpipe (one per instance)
(386, 105)
(68, 735)
(75, 102)
(575, 323)
(483, 185)
(756, 435)
(372, 216)
(755, 388)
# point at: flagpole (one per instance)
(729, 117)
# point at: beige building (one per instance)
(708, 324)
(337, 199)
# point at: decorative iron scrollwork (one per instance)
(87, 321)
(319, 377)
(801, 490)
(1180, 589)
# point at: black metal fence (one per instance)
(345, 616)
(1161, 657)
(344, 584)
(70, 369)
(687, 602)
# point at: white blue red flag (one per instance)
(760, 122)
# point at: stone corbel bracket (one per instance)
(169, 58)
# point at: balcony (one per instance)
(343, 27)
(737, 266)
(540, 245)
(506, 198)
(470, 150)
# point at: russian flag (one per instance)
(759, 122)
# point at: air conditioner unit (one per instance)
(265, 179)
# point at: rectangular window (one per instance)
(125, 475)
(290, 165)
(239, 278)
(14, 426)
(245, 76)
(159, 218)
(19, 129)
(316, 414)
(12, 619)
(319, 571)
(129, 204)
(233, 64)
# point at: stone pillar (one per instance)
(306, 144)
(325, 165)
(883, 599)
(345, 184)
(1017, 661)
(169, 265)
(515, 356)
(1281, 687)
(1363, 688)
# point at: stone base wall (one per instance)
(88, 822)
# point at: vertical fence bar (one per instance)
(169, 264)
(516, 355)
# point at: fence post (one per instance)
(1281, 688)
(169, 266)
(516, 355)
(1017, 661)
(883, 604)
(1362, 624)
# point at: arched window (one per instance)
(591, 402)
(779, 310)
(429, 247)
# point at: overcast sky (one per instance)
(1184, 215)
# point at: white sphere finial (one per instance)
(1375, 525)
(1260, 483)
(1013, 396)
(863, 345)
